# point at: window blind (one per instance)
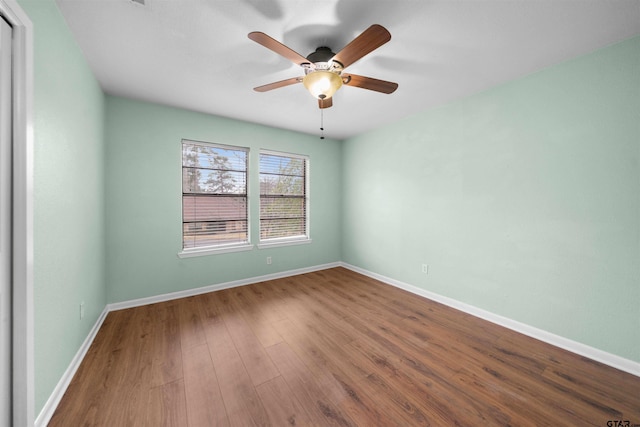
(283, 196)
(214, 195)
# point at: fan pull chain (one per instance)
(321, 123)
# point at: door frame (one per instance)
(23, 395)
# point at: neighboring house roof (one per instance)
(213, 208)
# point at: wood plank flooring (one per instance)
(332, 348)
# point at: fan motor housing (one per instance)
(322, 54)
(322, 60)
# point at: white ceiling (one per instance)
(195, 54)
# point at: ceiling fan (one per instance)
(323, 69)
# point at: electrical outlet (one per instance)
(81, 310)
(268, 260)
(425, 268)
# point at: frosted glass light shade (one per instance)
(322, 84)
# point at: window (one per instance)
(214, 196)
(283, 198)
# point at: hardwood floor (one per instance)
(332, 348)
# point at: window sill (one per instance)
(283, 242)
(195, 252)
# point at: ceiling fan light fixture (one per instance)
(322, 84)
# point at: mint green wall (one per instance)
(524, 200)
(68, 197)
(144, 200)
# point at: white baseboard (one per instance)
(598, 355)
(54, 399)
(211, 288)
(584, 350)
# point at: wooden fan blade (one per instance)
(371, 39)
(276, 85)
(277, 47)
(370, 83)
(325, 103)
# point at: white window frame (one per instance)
(294, 240)
(223, 247)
